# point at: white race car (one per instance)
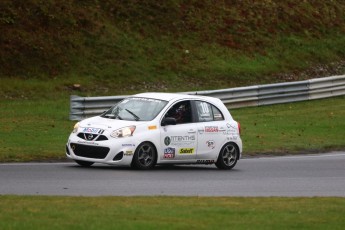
(158, 128)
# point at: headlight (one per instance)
(75, 128)
(123, 132)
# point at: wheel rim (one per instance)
(145, 155)
(229, 155)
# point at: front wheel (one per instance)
(145, 156)
(227, 158)
(84, 163)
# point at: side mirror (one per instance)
(168, 121)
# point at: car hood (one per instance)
(107, 123)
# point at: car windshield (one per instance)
(136, 109)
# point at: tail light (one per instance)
(239, 127)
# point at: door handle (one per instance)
(191, 131)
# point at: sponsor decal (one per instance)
(169, 153)
(230, 129)
(92, 130)
(128, 153)
(152, 127)
(143, 99)
(232, 138)
(230, 126)
(211, 144)
(205, 161)
(211, 129)
(186, 151)
(88, 142)
(180, 140)
(218, 117)
(128, 145)
(167, 141)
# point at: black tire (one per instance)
(145, 156)
(228, 156)
(84, 163)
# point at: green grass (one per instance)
(302, 127)
(33, 129)
(170, 69)
(37, 212)
(38, 129)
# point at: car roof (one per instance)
(174, 96)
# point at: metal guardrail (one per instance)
(83, 107)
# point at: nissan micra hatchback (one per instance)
(158, 128)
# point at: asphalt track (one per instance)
(307, 175)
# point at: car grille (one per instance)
(96, 152)
(92, 137)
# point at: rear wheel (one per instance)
(84, 163)
(145, 156)
(227, 158)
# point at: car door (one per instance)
(211, 129)
(179, 141)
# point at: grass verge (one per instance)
(301, 127)
(37, 212)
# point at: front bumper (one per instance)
(114, 151)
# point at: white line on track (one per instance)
(333, 154)
(320, 155)
(37, 163)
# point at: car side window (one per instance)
(181, 111)
(217, 115)
(207, 112)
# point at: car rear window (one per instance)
(208, 112)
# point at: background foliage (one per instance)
(161, 44)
